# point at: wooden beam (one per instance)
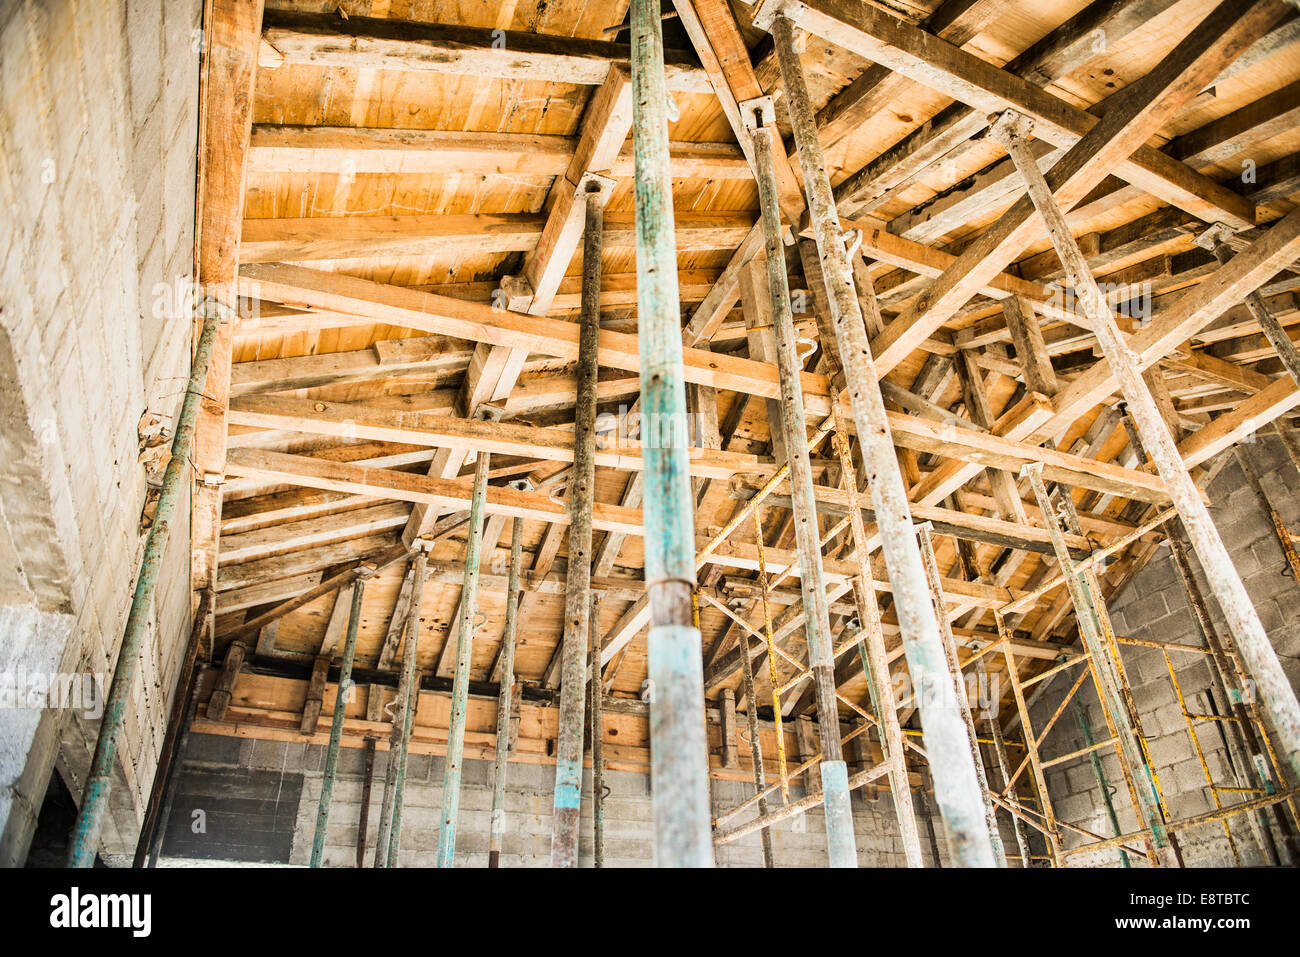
(407, 46)
(360, 237)
(362, 150)
(940, 65)
(1136, 113)
(232, 35)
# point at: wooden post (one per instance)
(875, 659)
(410, 682)
(755, 742)
(679, 744)
(956, 785)
(582, 496)
(1094, 630)
(730, 751)
(367, 783)
(1243, 622)
(959, 690)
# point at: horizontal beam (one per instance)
(934, 62)
(407, 46)
(366, 237)
(364, 150)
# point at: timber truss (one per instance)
(965, 331)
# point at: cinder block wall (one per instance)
(1153, 606)
(275, 786)
(98, 128)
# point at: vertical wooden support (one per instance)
(956, 784)
(841, 845)
(597, 739)
(1089, 614)
(755, 742)
(875, 659)
(730, 750)
(577, 594)
(1050, 830)
(367, 784)
(446, 853)
(959, 690)
(336, 724)
(1243, 622)
(224, 687)
(1009, 786)
(808, 749)
(679, 767)
(506, 694)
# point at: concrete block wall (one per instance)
(529, 795)
(98, 139)
(1153, 606)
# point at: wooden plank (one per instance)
(1244, 419)
(360, 237)
(934, 62)
(363, 150)
(1195, 309)
(232, 34)
(1137, 112)
(408, 46)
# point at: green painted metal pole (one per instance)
(597, 740)
(84, 840)
(410, 705)
(336, 724)
(446, 852)
(505, 697)
(1085, 728)
(679, 750)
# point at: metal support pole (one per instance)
(1085, 728)
(597, 740)
(875, 660)
(336, 724)
(956, 785)
(1274, 689)
(577, 594)
(755, 743)
(184, 707)
(410, 705)
(840, 842)
(395, 769)
(679, 744)
(1091, 626)
(446, 852)
(84, 840)
(505, 696)
(959, 689)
